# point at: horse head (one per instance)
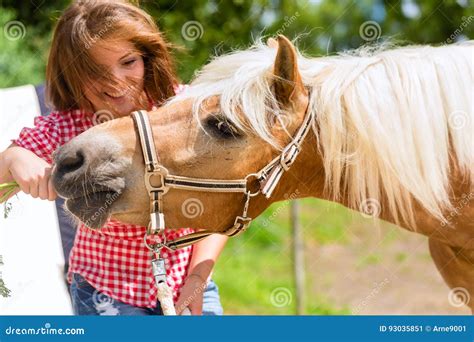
(218, 129)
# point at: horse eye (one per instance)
(222, 128)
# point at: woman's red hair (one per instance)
(88, 22)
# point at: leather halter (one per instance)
(267, 178)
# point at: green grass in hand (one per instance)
(9, 188)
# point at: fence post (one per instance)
(298, 258)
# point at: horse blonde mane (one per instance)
(388, 122)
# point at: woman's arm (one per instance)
(205, 254)
(32, 173)
(5, 175)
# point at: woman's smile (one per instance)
(126, 91)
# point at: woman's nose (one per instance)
(120, 74)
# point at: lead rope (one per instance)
(165, 296)
(158, 266)
(164, 292)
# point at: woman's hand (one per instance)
(205, 254)
(191, 295)
(32, 173)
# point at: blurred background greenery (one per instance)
(254, 265)
(323, 26)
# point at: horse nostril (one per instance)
(71, 163)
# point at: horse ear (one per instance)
(288, 82)
(272, 43)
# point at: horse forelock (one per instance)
(389, 121)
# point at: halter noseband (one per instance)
(268, 178)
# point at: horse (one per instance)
(390, 135)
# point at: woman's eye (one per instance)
(222, 128)
(129, 62)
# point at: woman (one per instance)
(108, 59)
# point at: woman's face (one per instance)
(125, 63)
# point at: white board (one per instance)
(30, 243)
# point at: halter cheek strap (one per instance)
(268, 178)
(271, 174)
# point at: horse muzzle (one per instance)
(90, 177)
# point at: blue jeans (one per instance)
(86, 300)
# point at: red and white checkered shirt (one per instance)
(114, 259)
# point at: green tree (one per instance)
(322, 27)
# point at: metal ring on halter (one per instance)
(150, 247)
(149, 231)
(248, 192)
(157, 247)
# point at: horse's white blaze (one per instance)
(387, 120)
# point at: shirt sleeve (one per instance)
(43, 138)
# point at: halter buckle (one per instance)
(160, 172)
(240, 225)
(288, 156)
(256, 187)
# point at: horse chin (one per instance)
(136, 217)
(94, 209)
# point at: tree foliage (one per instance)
(321, 26)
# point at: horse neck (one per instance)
(306, 179)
